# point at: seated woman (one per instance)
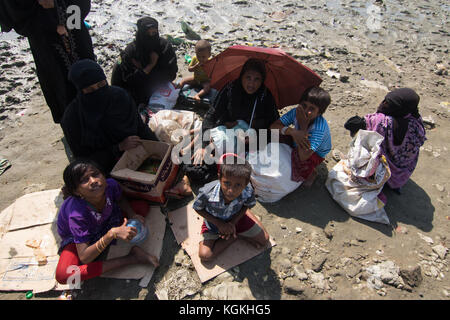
(312, 142)
(90, 219)
(145, 63)
(246, 99)
(399, 122)
(102, 121)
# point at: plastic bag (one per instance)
(164, 123)
(271, 174)
(355, 183)
(164, 97)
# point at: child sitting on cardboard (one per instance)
(200, 78)
(225, 205)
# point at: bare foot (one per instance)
(143, 257)
(181, 189)
(197, 97)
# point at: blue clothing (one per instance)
(319, 132)
(210, 199)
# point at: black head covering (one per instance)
(85, 72)
(146, 44)
(398, 104)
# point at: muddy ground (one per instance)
(361, 49)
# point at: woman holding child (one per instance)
(246, 99)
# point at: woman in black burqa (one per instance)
(146, 63)
(102, 121)
(54, 46)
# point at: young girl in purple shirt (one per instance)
(93, 215)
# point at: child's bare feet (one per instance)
(143, 257)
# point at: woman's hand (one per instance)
(123, 232)
(47, 4)
(129, 143)
(153, 61)
(62, 31)
(198, 157)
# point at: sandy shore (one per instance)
(361, 50)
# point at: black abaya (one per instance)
(53, 54)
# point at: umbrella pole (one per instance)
(253, 112)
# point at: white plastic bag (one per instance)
(271, 174)
(164, 123)
(164, 97)
(356, 182)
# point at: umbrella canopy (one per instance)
(286, 78)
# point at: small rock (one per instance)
(439, 187)
(445, 293)
(282, 226)
(386, 272)
(411, 275)
(337, 155)
(318, 262)
(293, 286)
(329, 230)
(440, 250)
(344, 79)
(441, 70)
(333, 74)
(298, 230)
(425, 238)
(429, 122)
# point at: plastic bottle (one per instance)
(142, 231)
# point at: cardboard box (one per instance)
(141, 185)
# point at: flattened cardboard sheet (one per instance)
(186, 226)
(156, 224)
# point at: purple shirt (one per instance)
(78, 222)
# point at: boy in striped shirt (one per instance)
(311, 134)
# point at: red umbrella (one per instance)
(286, 78)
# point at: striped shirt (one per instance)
(319, 132)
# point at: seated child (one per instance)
(311, 134)
(225, 205)
(91, 218)
(200, 78)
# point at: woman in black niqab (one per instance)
(146, 63)
(101, 117)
